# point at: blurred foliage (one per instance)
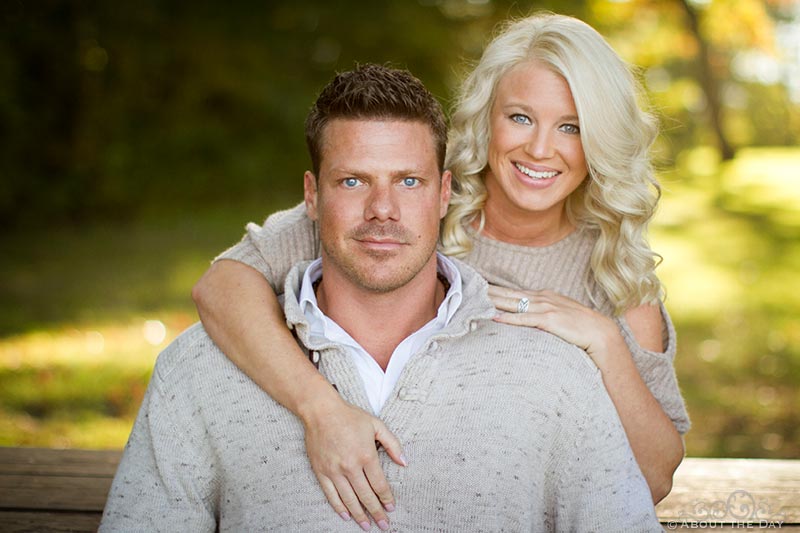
(84, 313)
(108, 109)
(136, 139)
(732, 253)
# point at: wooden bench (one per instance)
(45, 490)
(54, 490)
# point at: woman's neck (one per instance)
(526, 228)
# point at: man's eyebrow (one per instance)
(363, 174)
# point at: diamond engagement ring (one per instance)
(522, 306)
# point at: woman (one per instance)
(553, 191)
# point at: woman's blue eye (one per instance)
(520, 119)
(570, 128)
(410, 182)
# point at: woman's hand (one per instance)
(240, 311)
(655, 442)
(341, 443)
(577, 324)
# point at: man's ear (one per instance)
(310, 194)
(446, 190)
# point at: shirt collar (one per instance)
(321, 325)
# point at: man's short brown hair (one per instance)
(374, 92)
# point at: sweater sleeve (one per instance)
(164, 481)
(286, 238)
(600, 485)
(658, 371)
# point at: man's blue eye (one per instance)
(350, 182)
(410, 182)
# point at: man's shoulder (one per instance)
(191, 349)
(548, 353)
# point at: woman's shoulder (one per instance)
(288, 224)
(287, 218)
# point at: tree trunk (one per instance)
(709, 83)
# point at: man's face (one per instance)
(378, 198)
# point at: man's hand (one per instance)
(341, 443)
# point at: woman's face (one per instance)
(536, 157)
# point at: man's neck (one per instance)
(381, 321)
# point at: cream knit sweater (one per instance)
(290, 236)
(505, 429)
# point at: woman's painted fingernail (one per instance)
(345, 516)
(403, 459)
(383, 525)
(365, 525)
(389, 507)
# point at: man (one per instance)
(509, 428)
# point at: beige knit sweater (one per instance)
(290, 236)
(505, 429)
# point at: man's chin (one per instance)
(381, 277)
(382, 253)
(380, 285)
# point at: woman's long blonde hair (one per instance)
(619, 196)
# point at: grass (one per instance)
(84, 312)
(730, 235)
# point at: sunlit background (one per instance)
(139, 137)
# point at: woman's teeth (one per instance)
(536, 175)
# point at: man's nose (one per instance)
(382, 203)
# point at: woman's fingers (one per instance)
(508, 300)
(377, 479)
(352, 494)
(504, 292)
(332, 495)
(350, 499)
(518, 319)
(366, 493)
(511, 297)
(390, 443)
(342, 450)
(367, 479)
(379, 485)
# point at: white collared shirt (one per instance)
(377, 383)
